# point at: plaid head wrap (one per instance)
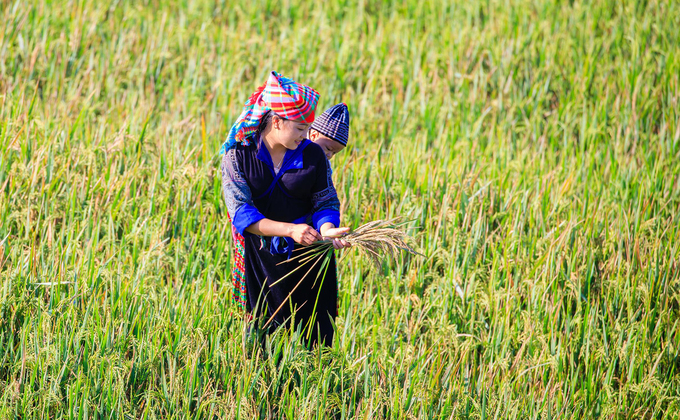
(285, 97)
(334, 123)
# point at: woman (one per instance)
(331, 132)
(273, 180)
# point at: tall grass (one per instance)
(536, 145)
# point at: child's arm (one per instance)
(329, 231)
(326, 207)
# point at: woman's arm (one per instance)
(301, 233)
(244, 214)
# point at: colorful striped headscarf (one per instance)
(285, 97)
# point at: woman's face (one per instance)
(289, 133)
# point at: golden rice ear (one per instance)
(380, 239)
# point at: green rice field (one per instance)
(534, 147)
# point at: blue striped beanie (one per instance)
(334, 123)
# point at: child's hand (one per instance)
(335, 234)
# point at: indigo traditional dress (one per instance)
(301, 192)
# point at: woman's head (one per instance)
(286, 99)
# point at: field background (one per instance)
(534, 144)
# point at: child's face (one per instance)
(330, 147)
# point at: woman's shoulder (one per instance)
(238, 154)
(242, 148)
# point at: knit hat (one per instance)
(334, 123)
(281, 95)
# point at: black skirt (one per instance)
(279, 296)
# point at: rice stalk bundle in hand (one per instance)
(380, 238)
(376, 240)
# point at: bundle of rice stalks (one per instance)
(380, 238)
(376, 240)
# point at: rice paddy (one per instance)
(534, 146)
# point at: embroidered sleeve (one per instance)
(325, 203)
(237, 194)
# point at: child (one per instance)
(330, 131)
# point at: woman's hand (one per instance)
(304, 234)
(335, 234)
